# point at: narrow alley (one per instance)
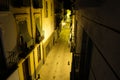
(58, 62)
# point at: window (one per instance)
(20, 3)
(39, 31)
(47, 48)
(46, 9)
(26, 70)
(25, 41)
(51, 9)
(4, 5)
(39, 53)
(37, 4)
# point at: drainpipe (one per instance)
(31, 13)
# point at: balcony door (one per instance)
(26, 71)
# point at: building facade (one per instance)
(27, 35)
(96, 54)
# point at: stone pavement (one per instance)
(58, 62)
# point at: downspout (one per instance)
(31, 13)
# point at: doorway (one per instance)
(85, 56)
(26, 71)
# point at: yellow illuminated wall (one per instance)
(36, 57)
(46, 15)
(20, 72)
(48, 21)
(32, 65)
(24, 14)
(48, 25)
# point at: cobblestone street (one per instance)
(58, 62)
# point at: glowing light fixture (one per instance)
(63, 23)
